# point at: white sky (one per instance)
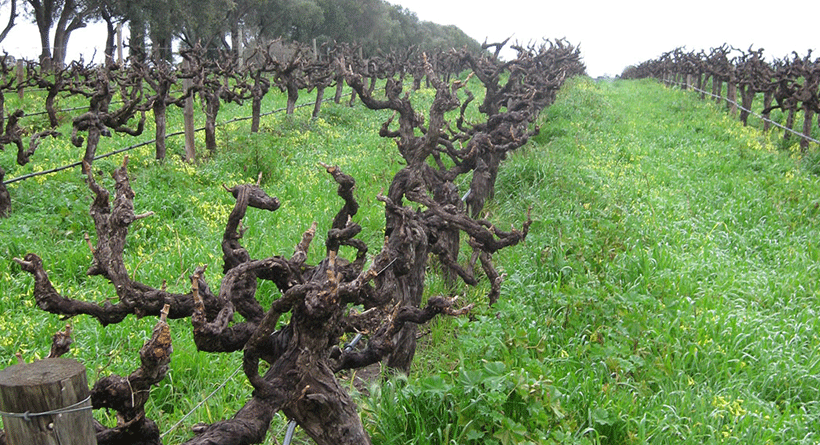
(612, 33)
(616, 33)
(24, 40)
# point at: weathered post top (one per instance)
(46, 403)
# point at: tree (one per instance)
(238, 18)
(70, 15)
(204, 23)
(162, 26)
(154, 20)
(372, 24)
(12, 15)
(43, 18)
(337, 20)
(298, 20)
(114, 12)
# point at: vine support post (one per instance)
(21, 77)
(188, 116)
(47, 402)
(119, 44)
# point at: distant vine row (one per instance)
(791, 84)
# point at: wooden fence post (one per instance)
(188, 119)
(21, 76)
(46, 403)
(119, 43)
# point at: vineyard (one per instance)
(292, 367)
(656, 283)
(788, 85)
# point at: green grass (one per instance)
(666, 292)
(50, 217)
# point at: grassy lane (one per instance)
(667, 292)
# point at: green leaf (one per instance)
(600, 416)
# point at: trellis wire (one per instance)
(141, 144)
(68, 409)
(202, 402)
(62, 110)
(716, 96)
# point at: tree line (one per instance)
(231, 25)
(425, 218)
(791, 83)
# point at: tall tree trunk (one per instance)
(58, 58)
(161, 47)
(110, 35)
(45, 42)
(136, 44)
(70, 20)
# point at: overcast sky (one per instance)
(612, 33)
(616, 33)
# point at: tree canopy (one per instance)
(229, 25)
